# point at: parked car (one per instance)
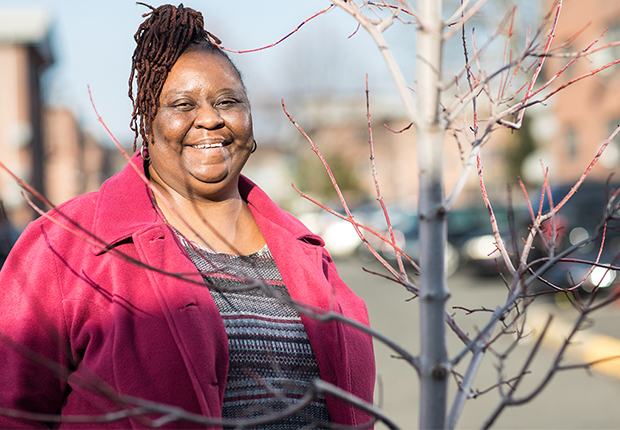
(8, 235)
(471, 230)
(577, 221)
(470, 238)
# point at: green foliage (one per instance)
(311, 177)
(522, 146)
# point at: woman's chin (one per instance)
(213, 185)
(211, 176)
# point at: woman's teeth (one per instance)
(210, 145)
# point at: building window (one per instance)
(571, 142)
(611, 157)
(608, 55)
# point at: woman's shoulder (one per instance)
(82, 206)
(116, 195)
(75, 213)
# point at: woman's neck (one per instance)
(224, 226)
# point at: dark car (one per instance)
(8, 235)
(471, 231)
(470, 238)
(577, 221)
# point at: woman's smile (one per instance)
(211, 142)
(207, 145)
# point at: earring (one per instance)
(254, 147)
(144, 153)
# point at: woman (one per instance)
(181, 296)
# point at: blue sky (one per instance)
(93, 42)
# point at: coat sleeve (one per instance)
(34, 347)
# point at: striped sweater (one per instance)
(271, 362)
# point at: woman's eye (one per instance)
(182, 105)
(227, 103)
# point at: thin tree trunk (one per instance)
(434, 369)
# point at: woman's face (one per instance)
(202, 134)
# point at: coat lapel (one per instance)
(185, 302)
(301, 267)
(191, 314)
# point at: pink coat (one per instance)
(109, 307)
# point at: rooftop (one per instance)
(27, 27)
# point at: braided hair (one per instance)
(161, 39)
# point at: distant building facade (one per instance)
(24, 54)
(339, 128)
(45, 146)
(585, 113)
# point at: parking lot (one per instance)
(575, 399)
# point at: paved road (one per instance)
(575, 399)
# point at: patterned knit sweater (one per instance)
(271, 360)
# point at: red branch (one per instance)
(587, 49)
(542, 60)
(345, 206)
(587, 171)
(356, 224)
(398, 131)
(391, 6)
(281, 40)
(502, 85)
(377, 188)
(496, 233)
(27, 187)
(598, 259)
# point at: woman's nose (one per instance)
(208, 117)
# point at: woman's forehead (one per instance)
(200, 58)
(205, 63)
(199, 70)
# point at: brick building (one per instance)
(585, 114)
(24, 54)
(43, 145)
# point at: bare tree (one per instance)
(504, 93)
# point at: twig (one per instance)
(542, 60)
(465, 385)
(327, 388)
(583, 175)
(361, 226)
(341, 196)
(589, 364)
(377, 188)
(327, 9)
(399, 131)
(501, 246)
(321, 315)
(375, 31)
(464, 17)
(520, 376)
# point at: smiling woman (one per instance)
(180, 282)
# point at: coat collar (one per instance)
(261, 204)
(125, 205)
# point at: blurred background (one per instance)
(51, 51)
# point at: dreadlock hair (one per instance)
(161, 39)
